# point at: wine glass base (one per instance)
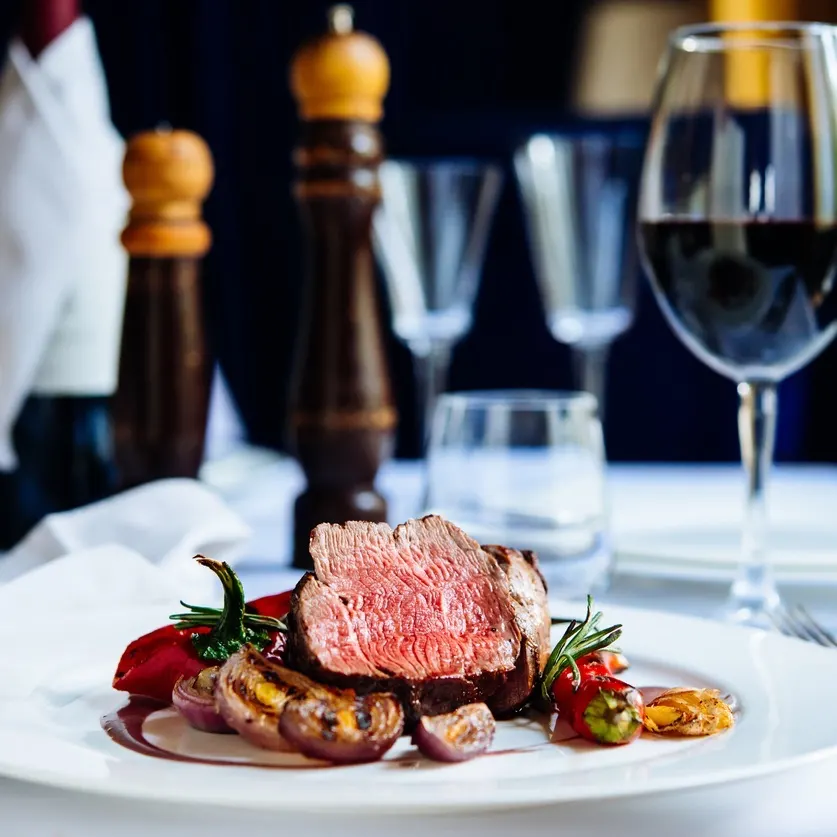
(753, 598)
(751, 615)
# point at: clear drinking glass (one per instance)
(525, 469)
(579, 194)
(430, 234)
(738, 228)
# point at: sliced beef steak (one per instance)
(422, 611)
(531, 611)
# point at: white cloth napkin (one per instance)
(86, 582)
(62, 207)
(132, 549)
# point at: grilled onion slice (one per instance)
(280, 709)
(343, 727)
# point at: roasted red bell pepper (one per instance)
(277, 605)
(151, 665)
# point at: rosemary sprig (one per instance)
(230, 626)
(579, 639)
(210, 616)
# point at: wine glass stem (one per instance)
(754, 591)
(431, 375)
(590, 365)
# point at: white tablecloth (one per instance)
(261, 488)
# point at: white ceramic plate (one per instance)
(54, 736)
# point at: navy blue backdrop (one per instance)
(469, 77)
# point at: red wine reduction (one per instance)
(751, 299)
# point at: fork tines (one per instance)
(797, 622)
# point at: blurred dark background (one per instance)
(469, 77)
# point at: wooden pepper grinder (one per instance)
(161, 404)
(343, 416)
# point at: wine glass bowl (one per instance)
(756, 308)
(430, 234)
(579, 194)
(738, 228)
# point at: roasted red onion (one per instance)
(194, 699)
(277, 650)
(340, 726)
(457, 736)
(280, 709)
(251, 694)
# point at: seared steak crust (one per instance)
(531, 608)
(422, 611)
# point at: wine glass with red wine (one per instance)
(738, 228)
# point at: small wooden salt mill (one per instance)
(343, 417)
(162, 400)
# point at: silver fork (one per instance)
(795, 621)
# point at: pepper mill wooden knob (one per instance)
(162, 400)
(169, 174)
(343, 415)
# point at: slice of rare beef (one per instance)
(531, 609)
(421, 610)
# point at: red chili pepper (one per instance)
(578, 680)
(590, 665)
(151, 664)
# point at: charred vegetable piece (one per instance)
(457, 736)
(251, 693)
(578, 680)
(688, 712)
(280, 709)
(342, 727)
(194, 699)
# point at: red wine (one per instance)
(753, 300)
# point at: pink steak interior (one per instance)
(422, 601)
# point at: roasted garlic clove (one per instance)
(688, 712)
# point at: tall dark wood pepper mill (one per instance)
(343, 417)
(161, 404)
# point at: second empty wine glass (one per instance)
(430, 234)
(579, 196)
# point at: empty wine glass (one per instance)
(430, 233)
(738, 227)
(579, 196)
